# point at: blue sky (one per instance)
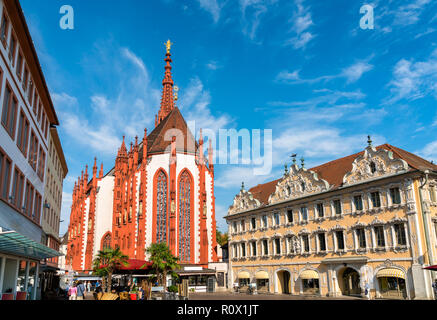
(303, 68)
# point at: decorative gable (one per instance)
(243, 201)
(374, 164)
(296, 183)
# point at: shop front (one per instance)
(20, 265)
(310, 282)
(262, 281)
(243, 281)
(391, 283)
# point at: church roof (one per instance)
(334, 171)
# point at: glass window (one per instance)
(379, 234)
(376, 201)
(253, 223)
(304, 213)
(432, 194)
(322, 242)
(340, 240)
(254, 248)
(337, 206)
(320, 210)
(265, 247)
(395, 195)
(306, 243)
(278, 245)
(31, 285)
(21, 280)
(277, 221)
(358, 202)
(290, 215)
(400, 234)
(243, 225)
(243, 249)
(264, 218)
(234, 226)
(361, 238)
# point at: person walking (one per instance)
(89, 286)
(80, 291)
(434, 286)
(367, 290)
(72, 292)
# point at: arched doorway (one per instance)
(284, 282)
(350, 280)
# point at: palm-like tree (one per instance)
(107, 261)
(163, 261)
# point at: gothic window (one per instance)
(184, 217)
(106, 243)
(161, 207)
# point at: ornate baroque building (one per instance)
(366, 219)
(160, 190)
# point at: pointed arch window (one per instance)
(161, 207)
(106, 243)
(184, 218)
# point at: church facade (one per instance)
(161, 189)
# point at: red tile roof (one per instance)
(334, 171)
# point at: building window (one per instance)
(372, 167)
(277, 245)
(185, 211)
(17, 189)
(277, 218)
(432, 194)
(234, 226)
(376, 200)
(379, 234)
(253, 249)
(5, 174)
(23, 134)
(33, 150)
(12, 48)
(337, 206)
(340, 240)
(322, 242)
(25, 78)
(264, 219)
(4, 29)
(253, 223)
(37, 207)
(304, 213)
(243, 249)
(400, 234)
(306, 243)
(395, 195)
(243, 225)
(41, 163)
(9, 112)
(320, 210)
(290, 216)
(265, 247)
(19, 65)
(161, 207)
(358, 202)
(361, 237)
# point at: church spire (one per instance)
(167, 100)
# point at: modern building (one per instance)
(160, 190)
(368, 219)
(27, 113)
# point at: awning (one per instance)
(88, 278)
(243, 275)
(133, 264)
(309, 274)
(261, 275)
(434, 268)
(390, 272)
(11, 242)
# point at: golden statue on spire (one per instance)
(168, 45)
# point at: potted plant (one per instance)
(133, 293)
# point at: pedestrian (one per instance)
(89, 286)
(434, 286)
(367, 290)
(72, 292)
(80, 291)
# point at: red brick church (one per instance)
(161, 189)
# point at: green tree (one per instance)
(222, 238)
(163, 261)
(106, 262)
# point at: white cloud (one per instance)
(213, 65)
(408, 14)
(212, 7)
(301, 22)
(352, 74)
(413, 80)
(429, 151)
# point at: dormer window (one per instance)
(372, 167)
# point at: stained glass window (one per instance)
(184, 232)
(161, 208)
